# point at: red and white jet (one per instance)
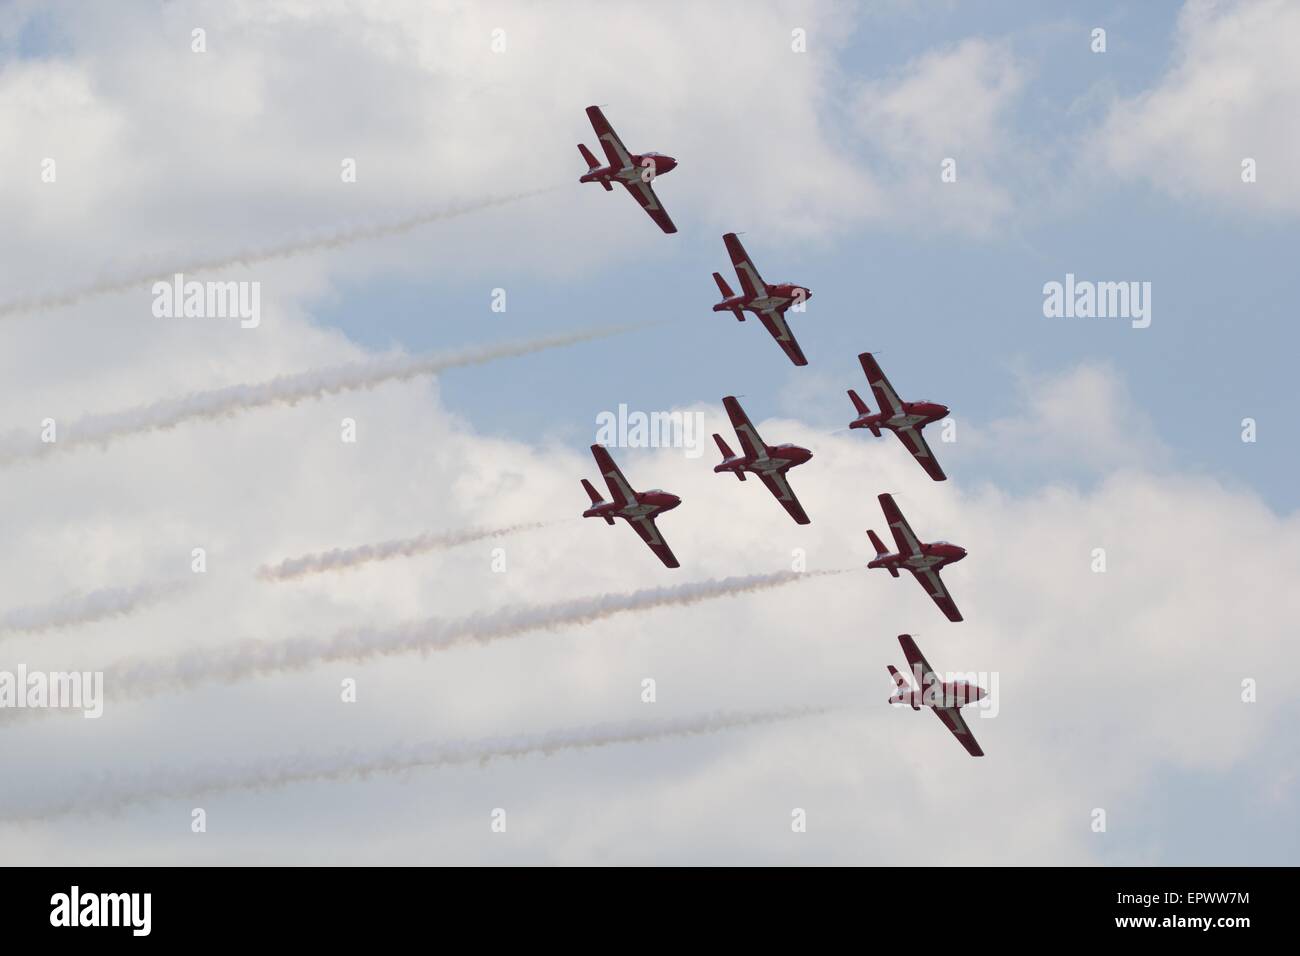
(904, 419)
(770, 464)
(634, 170)
(637, 508)
(768, 302)
(924, 560)
(945, 699)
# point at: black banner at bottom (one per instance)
(332, 906)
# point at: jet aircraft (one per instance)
(635, 171)
(945, 699)
(637, 508)
(904, 419)
(768, 302)
(767, 462)
(923, 559)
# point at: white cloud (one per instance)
(1083, 419)
(414, 93)
(1105, 678)
(1234, 75)
(951, 103)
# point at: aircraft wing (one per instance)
(953, 720)
(746, 433)
(643, 194)
(620, 492)
(904, 537)
(774, 321)
(915, 442)
(886, 397)
(750, 280)
(615, 151)
(649, 532)
(781, 490)
(918, 667)
(934, 587)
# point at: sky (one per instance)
(136, 148)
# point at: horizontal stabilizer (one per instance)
(722, 285)
(592, 165)
(881, 551)
(902, 689)
(727, 454)
(596, 500)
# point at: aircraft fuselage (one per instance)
(648, 504)
(941, 694)
(914, 415)
(933, 556)
(644, 165)
(777, 459)
(776, 298)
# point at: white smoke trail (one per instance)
(341, 558)
(86, 608)
(113, 794)
(260, 658)
(284, 390)
(329, 239)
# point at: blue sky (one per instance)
(1121, 690)
(953, 314)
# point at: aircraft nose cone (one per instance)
(665, 163)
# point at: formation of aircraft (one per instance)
(634, 171)
(904, 419)
(758, 458)
(637, 508)
(928, 690)
(770, 303)
(923, 559)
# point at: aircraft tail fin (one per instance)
(595, 498)
(881, 550)
(858, 403)
(592, 164)
(727, 294)
(726, 453)
(902, 690)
